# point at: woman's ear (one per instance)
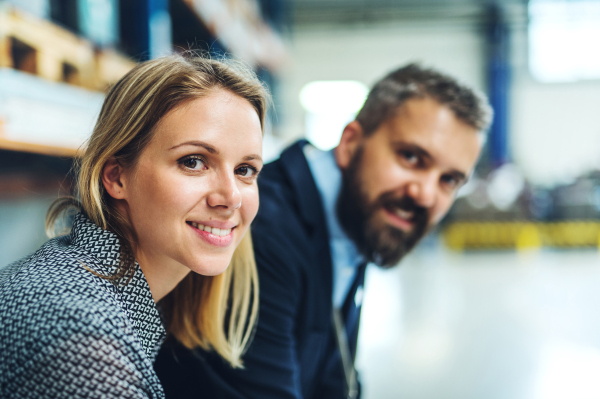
(113, 179)
(351, 139)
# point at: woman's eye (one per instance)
(246, 171)
(193, 163)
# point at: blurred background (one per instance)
(503, 300)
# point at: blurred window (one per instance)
(39, 8)
(98, 21)
(564, 40)
(330, 106)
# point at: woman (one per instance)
(166, 192)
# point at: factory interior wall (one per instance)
(554, 129)
(366, 53)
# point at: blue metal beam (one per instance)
(499, 77)
(146, 28)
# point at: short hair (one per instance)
(414, 81)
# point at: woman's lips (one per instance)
(212, 235)
(222, 232)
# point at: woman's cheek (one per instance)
(189, 189)
(250, 203)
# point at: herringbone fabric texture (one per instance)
(66, 333)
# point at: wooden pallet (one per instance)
(39, 47)
(33, 148)
(110, 67)
(42, 48)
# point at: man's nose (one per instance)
(424, 189)
(225, 193)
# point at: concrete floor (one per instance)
(482, 325)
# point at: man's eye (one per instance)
(450, 181)
(194, 163)
(246, 171)
(409, 156)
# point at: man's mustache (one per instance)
(405, 203)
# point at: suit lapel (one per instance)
(310, 207)
(298, 172)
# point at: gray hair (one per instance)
(414, 81)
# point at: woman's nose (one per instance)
(226, 193)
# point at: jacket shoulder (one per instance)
(50, 287)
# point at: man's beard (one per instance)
(378, 241)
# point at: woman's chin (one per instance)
(212, 268)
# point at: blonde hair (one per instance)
(213, 312)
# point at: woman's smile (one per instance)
(213, 235)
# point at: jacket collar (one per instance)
(296, 169)
(134, 297)
(308, 202)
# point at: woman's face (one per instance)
(192, 194)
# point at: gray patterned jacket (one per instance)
(65, 333)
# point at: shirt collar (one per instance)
(328, 179)
(135, 297)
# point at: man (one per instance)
(323, 217)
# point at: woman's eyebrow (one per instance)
(196, 143)
(252, 157)
(213, 150)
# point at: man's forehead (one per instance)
(434, 130)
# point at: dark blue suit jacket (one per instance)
(294, 353)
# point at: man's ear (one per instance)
(112, 179)
(350, 141)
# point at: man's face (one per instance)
(402, 179)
